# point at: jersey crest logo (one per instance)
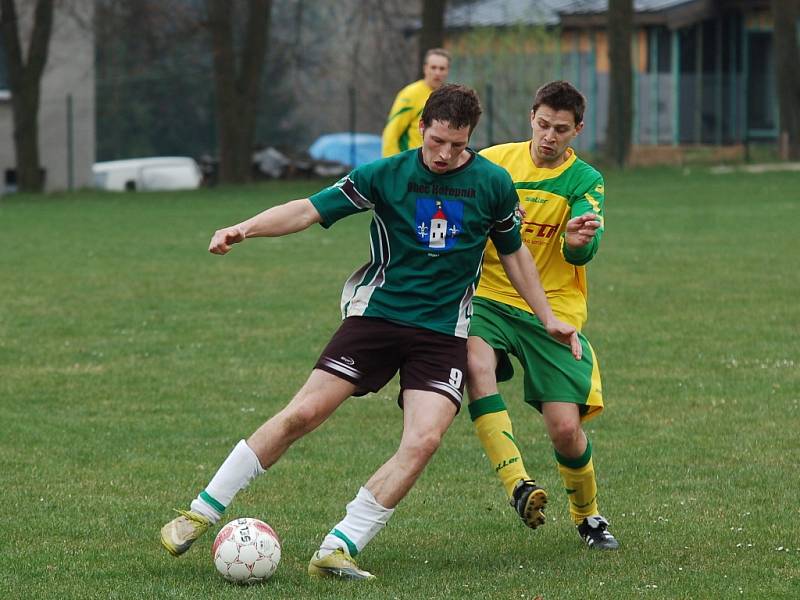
(438, 222)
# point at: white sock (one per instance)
(364, 519)
(238, 470)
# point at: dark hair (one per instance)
(457, 105)
(561, 95)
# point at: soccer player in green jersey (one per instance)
(561, 198)
(406, 309)
(402, 126)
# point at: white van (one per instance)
(158, 173)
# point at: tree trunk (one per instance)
(432, 33)
(620, 96)
(787, 57)
(25, 84)
(237, 83)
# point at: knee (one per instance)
(480, 369)
(420, 447)
(296, 421)
(567, 437)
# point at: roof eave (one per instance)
(675, 17)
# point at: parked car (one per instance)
(156, 173)
(352, 149)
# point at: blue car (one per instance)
(353, 149)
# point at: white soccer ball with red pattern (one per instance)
(246, 551)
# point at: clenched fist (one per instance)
(224, 238)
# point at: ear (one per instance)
(421, 128)
(579, 128)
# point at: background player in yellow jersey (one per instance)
(561, 200)
(402, 127)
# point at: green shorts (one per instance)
(551, 372)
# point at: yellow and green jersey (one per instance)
(549, 198)
(402, 127)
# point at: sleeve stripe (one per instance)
(353, 195)
(398, 113)
(591, 200)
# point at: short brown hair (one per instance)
(561, 95)
(437, 52)
(457, 105)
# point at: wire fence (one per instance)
(163, 103)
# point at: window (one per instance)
(659, 55)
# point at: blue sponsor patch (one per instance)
(438, 222)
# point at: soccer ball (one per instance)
(246, 551)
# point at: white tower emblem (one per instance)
(438, 228)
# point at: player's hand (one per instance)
(581, 230)
(224, 238)
(566, 334)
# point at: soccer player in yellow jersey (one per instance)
(561, 209)
(402, 127)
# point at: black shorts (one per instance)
(368, 352)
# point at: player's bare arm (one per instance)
(523, 275)
(581, 230)
(283, 219)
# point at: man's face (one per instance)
(553, 131)
(435, 70)
(442, 145)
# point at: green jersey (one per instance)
(427, 237)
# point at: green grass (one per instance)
(131, 361)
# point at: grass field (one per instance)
(131, 361)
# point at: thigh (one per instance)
(426, 413)
(553, 375)
(435, 362)
(364, 351)
(493, 322)
(321, 394)
(481, 368)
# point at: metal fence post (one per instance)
(490, 113)
(676, 87)
(351, 92)
(70, 146)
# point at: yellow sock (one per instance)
(493, 427)
(581, 486)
